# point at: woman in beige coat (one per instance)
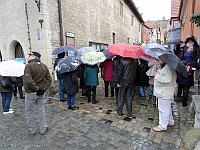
(164, 89)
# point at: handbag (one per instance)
(151, 71)
(7, 83)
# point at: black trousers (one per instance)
(125, 94)
(116, 95)
(180, 90)
(20, 91)
(91, 92)
(185, 95)
(107, 83)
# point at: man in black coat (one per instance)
(126, 76)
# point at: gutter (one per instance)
(180, 8)
(60, 22)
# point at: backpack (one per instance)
(7, 83)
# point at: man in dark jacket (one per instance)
(37, 80)
(60, 77)
(126, 76)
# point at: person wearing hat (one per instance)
(37, 80)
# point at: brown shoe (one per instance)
(157, 129)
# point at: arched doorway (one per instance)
(19, 53)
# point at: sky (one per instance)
(154, 9)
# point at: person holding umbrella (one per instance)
(60, 77)
(189, 55)
(6, 92)
(68, 68)
(107, 67)
(164, 89)
(126, 77)
(91, 81)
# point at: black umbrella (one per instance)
(62, 49)
(174, 62)
(68, 64)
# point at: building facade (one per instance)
(187, 8)
(43, 25)
(146, 34)
(158, 31)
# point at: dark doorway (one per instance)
(19, 53)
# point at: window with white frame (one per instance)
(132, 20)
(121, 9)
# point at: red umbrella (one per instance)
(126, 50)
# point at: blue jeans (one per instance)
(61, 94)
(71, 100)
(6, 99)
(148, 90)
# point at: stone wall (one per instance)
(95, 21)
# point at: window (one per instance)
(139, 27)
(132, 20)
(113, 36)
(121, 9)
(111, 3)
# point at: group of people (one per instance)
(121, 75)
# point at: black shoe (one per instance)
(74, 108)
(184, 105)
(62, 100)
(22, 97)
(95, 102)
(69, 107)
(89, 101)
(150, 96)
(142, 97)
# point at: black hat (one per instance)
(35, 54)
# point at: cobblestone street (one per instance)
(94, 126)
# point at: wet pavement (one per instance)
(95, 126)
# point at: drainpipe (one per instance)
(192, 24)
(60, 23)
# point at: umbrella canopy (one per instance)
(62, 49)
(126, 50)
(84, 50)
(174, 62)
(150, 53)
(68, 64)
(155, 50)
(92, 58)
(107, 54)
(12, 68)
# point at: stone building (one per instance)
(43, 25)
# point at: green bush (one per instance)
(195, 18)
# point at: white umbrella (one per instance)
(11, 68)
(92, 58)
